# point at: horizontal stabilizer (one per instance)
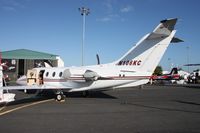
(165, 27)
(176, 40)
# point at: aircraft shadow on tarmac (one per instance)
(50, 95)
(186, 102)
(96, 94)
(91, 94)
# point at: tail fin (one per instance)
(147, 53)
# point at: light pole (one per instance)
(84, 11)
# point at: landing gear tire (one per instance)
(60, 97)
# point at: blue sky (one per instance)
(112, 28)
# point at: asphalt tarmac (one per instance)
(152, 109)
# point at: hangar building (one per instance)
(17, 62)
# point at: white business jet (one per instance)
(133, 69)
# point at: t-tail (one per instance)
(147, 53)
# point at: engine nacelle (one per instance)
(73, 73)
(88, 75)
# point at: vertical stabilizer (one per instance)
(147, 53)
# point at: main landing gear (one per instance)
(60, 96)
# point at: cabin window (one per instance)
(60, 74)
(47, 74)
(53, 74)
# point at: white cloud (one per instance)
(108, 5)
(113, 12)
(10, 5)
(105, 19)
(126, 9)
(8, 8)
(110, 17)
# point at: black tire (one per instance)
(59, 97)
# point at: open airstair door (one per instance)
(35, 77)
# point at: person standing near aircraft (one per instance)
(4, 97)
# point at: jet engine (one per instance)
(88, 75)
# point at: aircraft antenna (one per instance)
(98, 60)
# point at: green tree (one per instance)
(158, 71)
